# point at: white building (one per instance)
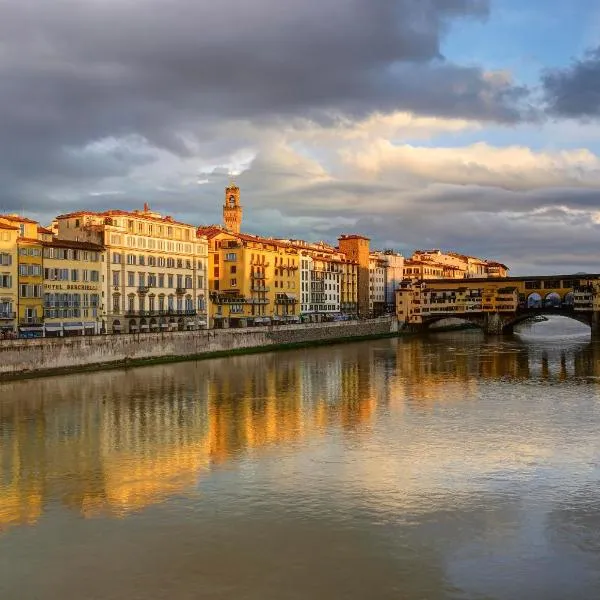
(377, 283)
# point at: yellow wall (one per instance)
(264, 275)
(9, 276)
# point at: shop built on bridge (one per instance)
(497, 305)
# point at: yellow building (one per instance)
(417, 301)
(328, 281)
(252, 280)
(72, 288)
(155, 269)
(30, 308)
(9, 297)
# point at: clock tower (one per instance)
(232, 210)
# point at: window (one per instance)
(200, 281)
(170, 281)
(116, 258)
(26, 270)
(170, 263)
(30, 291)
(116, 304)
(142, 279)
(233, 269)
(161, 281)
(142, 260)
(179, 281)
(233, 282)
(131, 303)
(131, 259)
(130, 278)
(115, 278)
(5, 280)
(74, 275)
(231, 256)
(5, 260)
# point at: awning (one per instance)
(73, 325)
(117, 327)
(53, 325)
(32, 328)
(165, 325)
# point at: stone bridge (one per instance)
(504, 323)
(498, 305)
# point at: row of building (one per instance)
(137, 271)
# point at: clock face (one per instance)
(232, 199)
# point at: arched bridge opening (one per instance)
(529, 314)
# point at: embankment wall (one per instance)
(25, 358)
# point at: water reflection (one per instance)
(114, 442)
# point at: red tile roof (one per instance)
(17, 219)
(44, 230)
(123, 213)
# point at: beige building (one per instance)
(435, 264)
(154, 273)
(72, 288)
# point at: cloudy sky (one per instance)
(471, 125)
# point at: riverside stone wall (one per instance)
(21, 357)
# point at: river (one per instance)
(452, 466)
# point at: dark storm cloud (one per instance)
(575, 91)
(74, 71)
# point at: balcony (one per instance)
(143, 289)
(257, 275)
(225, 299)
(260, 288)
(160, 313)
(7, 316)
(31, 321)
(180, 291)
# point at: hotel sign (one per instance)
(71, 286)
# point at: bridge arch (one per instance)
(510, 324)
(475, 319)
(552, 300)
(534, 300)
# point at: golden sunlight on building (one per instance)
(155, 269)
(9, 291)
(28, 257)
(253, 280)
(435, 264)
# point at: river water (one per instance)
(453, 466)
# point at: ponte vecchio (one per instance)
(498, 304)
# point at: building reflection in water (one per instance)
(115, 442)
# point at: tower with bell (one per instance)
(232, 210)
